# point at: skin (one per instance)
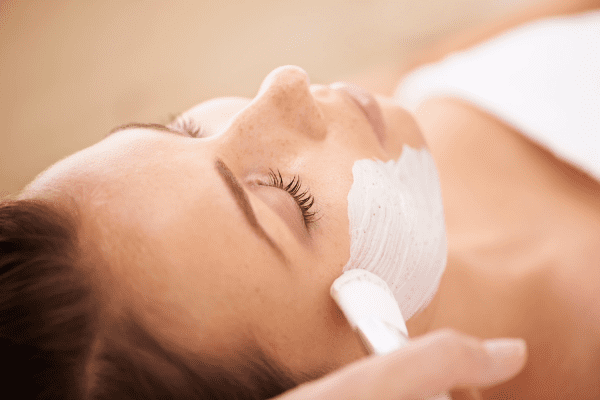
(199, 264)
(523, 252)
(501, 266)
(523, 231)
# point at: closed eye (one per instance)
(303, 198)
(188, 126)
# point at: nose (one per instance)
(285, 93)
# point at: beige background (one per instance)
(70, 71)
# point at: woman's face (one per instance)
(220, 250)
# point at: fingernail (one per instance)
(505, 348)
(508, 356)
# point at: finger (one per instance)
(429, 365)
(446, 359)
(466, 394)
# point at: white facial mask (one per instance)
(397, 226)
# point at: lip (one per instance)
(367, 103)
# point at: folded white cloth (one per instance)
(542, 78)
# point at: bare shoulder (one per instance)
(492, 175)
(466, 141)
(453, 124)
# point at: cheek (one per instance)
(302, 326)
(331, 229)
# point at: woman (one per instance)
(187, 257)
(151, 253)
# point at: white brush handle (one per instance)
(371, 309)
(378, 337)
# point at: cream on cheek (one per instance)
(397, 228)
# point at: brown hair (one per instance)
(51, 344)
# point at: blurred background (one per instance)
(72, 70)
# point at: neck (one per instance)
(466, 300)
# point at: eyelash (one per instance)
(188, 126)
(303, 198)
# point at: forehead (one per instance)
(156, 205)
(137, 181)
(125, 159)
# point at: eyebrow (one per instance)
(241, 199)
(132, 125)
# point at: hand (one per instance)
(429, 365)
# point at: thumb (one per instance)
(447, 359)
(426, 366)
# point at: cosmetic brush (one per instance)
(372, 311)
